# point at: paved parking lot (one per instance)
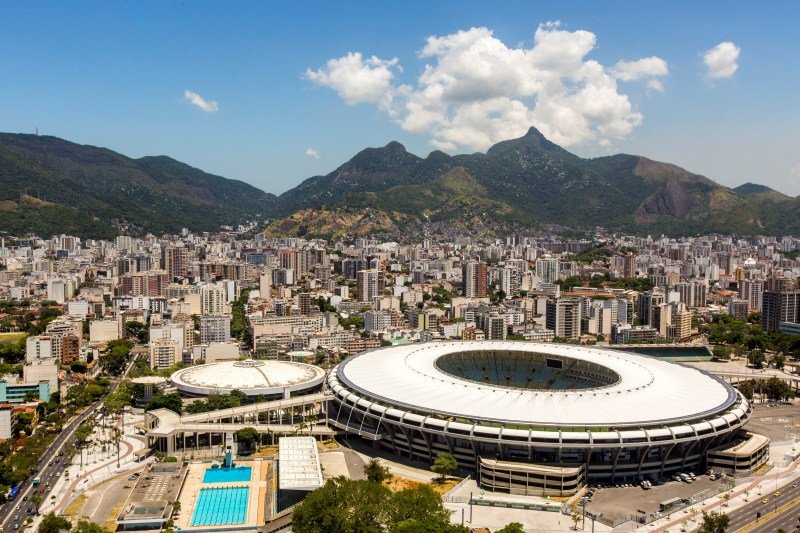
(779, 423)
(624, 501)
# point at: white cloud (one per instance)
(475, 90)
(655, 85)
(648, 67)
(357, 80)
(209, 106)
(722, 60)
(310, 152)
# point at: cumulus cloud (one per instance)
(357, 79)
(722, 60)
(650, 68)
(475, 90)
(310, 152)
(209, 106)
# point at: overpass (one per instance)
(171, 433)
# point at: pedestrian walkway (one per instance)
(87, 470)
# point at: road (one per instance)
(48, 470)
(746, 515)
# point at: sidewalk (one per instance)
(693, 516)
(87, 470)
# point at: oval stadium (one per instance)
(270, 379)
(531, 418)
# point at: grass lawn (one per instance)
(397, 483)
(8, 338)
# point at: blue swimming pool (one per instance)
(217, 506)
(235, 474)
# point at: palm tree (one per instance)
(300, 427)
(312, 418)
(37, 500)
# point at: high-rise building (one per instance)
(738, 309)
(215, 328)
(779, 284)
(283, 277)
(547, 269)
(473, 278)
(60, 327)
(149, 283)
(306, 303)
(493, 326)
(265, 284)
(692, 293)
(751, 291)
(38, 347)
(70, 349)
(681, 327)
(629, 266)
(212, 300)
(164, 353)
(377, 320)
(175, 260)
(645, 304)
(563, 317)
(779, 307)
(367, 285)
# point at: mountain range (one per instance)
(49, 185)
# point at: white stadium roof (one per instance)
(253, 377)
(649, 390)
(298, 464)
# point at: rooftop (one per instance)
(648, 391)
(250, 376)
(298, 464)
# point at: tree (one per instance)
(422, 506)
(84, 431)
(444, 465)
(247, 435)
(172, 402)
(116, 356)
(375, 471)
(756, 358)
(721, 352)
(53, 524)
(36, 499)
(78, 367)
(513, 527)
(85, 526)
(714, 522)
(747, 388)
(238, 395)
(576, 517)
(341, 506)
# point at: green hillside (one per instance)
(49, 185)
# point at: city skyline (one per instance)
(266, 94)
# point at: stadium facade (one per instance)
(530, 418)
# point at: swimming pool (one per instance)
(235, 474)
(217, 506)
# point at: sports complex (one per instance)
(532, 418)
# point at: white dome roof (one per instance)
(252, 377)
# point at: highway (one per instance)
(48, 470)
(744, 518)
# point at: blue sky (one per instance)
(115, 74)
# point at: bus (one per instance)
(13, 493)
(36, 481)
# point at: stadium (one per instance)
(266, 380)
(543, 419)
